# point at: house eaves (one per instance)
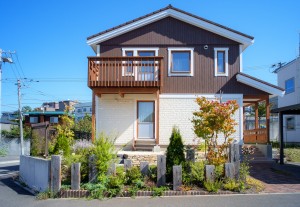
(170, 11)
(259, 84)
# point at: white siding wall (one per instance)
(291, 135)
(116, 116)
(177, 110)
(289, 71)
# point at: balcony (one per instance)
(125, 71)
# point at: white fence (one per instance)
(35, 172)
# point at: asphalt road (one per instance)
(11, 195)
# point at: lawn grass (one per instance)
(292, 154)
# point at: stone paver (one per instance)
(277, 178)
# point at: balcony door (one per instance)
(145, 119)
(141, 69)
(146, 71)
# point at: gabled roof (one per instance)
(171, 11)
(259, 84)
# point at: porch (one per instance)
(259, 133)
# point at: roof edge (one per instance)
(176, 13)
(260, 84)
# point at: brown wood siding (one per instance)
(170, 32)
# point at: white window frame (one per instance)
(135, 51)
(221, 49)
(33, 119)
(51, 120)
(182, 49)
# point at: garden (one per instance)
(95, 169)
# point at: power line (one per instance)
(16, 54)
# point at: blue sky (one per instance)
(50, 39)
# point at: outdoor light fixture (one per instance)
(205, 47)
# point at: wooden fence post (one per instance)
(161, 170)
(75, 176)
(55, 173)
(177, 177)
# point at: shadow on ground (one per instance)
(276, 173)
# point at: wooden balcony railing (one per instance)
(255, 136)
(125, 71)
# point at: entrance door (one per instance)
(145, 119)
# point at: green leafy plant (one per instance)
(133, 175)
(61, 144)
(219, 172)
(159, 191)
(97, 190)
(197, 172)
(104, 151)
(212, 186)
(232, 185)
(175, 152)
(84, 125)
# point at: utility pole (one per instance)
(2, 59)
(20, 116)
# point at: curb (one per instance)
(9, 162)
(86, 193)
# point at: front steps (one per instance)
(257, 156)
(144, 144)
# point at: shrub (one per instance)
(232, 185)
(219, 172)
(175, 152)
(63, 140)
(104, 152)
(212, 186)
(197, 172)
(133, 175)
(67, 162)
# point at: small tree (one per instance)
(212, 120)
(65, 135)
(84, 125)
(175, 152)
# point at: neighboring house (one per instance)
(8, 120)
(147, 73)
(53, 117)
(81, 109)
(57, 106)
(288, 77)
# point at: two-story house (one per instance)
(147, 73)
(288, 77)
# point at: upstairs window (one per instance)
(180, 61)
(53, 120)
(290, 85)
(221, 61)
(33, 120)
